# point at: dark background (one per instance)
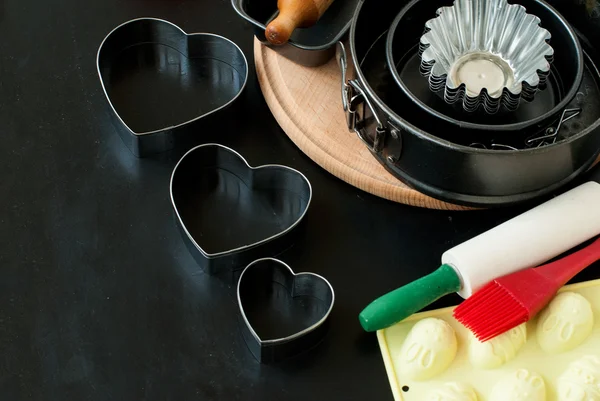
(100, 299)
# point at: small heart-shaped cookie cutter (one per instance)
(261, 276)
(197, 49)
(213, 185)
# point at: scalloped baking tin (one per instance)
(565, 76)
(485, 53)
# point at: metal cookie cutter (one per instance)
(283, 313)
(230, 213)
(161, 82)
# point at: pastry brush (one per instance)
(514, 299)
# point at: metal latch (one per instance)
(354, 102)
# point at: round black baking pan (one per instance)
(440, 159)
(563, 82)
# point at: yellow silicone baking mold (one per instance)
(535, 373)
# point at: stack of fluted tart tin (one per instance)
(479, 103)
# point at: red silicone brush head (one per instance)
(513, 299)
(505, 303)
(490, 312)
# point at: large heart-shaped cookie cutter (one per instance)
(195, 64)
(231, 213)
(265, 277)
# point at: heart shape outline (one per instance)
(277, 349)
(232, 259)
(166, 33)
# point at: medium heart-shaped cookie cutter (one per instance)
(231, 213)
(155, 58)
(265, 277)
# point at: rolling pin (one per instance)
(294, 14)
(525, 241)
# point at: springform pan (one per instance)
(442, 160)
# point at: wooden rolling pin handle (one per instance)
(294, 14)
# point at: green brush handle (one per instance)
(397, 305)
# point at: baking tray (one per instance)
(163, 84)
(310, 47)
(530, 356)
(230, 213)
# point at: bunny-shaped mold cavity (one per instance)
(428, 350)
(520, 385)
(565, 323)
(581, 380)
(499, 350)
(453, 391)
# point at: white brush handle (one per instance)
(529, 239)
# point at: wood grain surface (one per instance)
(307, 104)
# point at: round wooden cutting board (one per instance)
(307, 104)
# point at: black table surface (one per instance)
(99, 297)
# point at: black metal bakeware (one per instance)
(310, 47)
(563, 82)
(442, 160)
(231, 214)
